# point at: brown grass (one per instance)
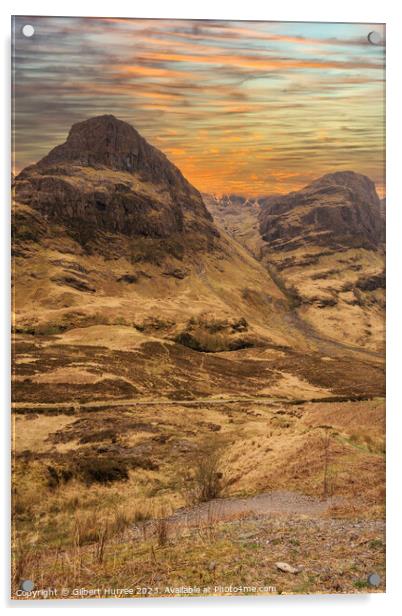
(265, 447)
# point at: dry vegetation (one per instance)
(95, 492)
(126, 413)
(158, 394)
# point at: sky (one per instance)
(253, 108)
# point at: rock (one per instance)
(212, 565)
(324, 246)
(175, 273)
(161, 438)
(371, 283)
(286, 568)
(70, 265)
(73, 282)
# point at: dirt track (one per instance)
(267, 504)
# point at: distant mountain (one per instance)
(325, 245)
(116, 251)
(231, 200)
(338, 209)
(237, 215)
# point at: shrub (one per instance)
(94, 468)
(205, 479)
(139, 515)
(126, 517)
(120, 522)
(58, 475)
(101, 470)
(101, 435)
(86, 529)
(102, 537)
(161, 529)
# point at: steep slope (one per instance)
(324, 246)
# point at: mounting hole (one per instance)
(27, 585)
(374, 579)
(374, 37)
(28, 30)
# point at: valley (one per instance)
(173, 350)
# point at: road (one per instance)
(100, 404)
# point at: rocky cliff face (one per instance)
(106, 178)
(339, 209)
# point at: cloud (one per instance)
(254, 106)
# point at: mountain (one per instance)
(125, 287)
(114, 248)
(107, 179)
(338, 210)
(324, 247)
(231, 201)
(324, 244)
(116, 203)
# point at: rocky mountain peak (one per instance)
(109, 142)
(338, 209)
(107, 178)
(359, 185)
(102, 140)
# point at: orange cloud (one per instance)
(255, 62)
(144, 71)
(251, 107)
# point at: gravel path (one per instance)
(278, 502)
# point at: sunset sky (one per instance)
(254, 108)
